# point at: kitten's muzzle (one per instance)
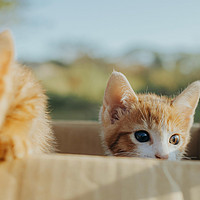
(163, 157)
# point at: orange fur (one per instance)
(24, 124)
(123, 113)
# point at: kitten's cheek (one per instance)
(172, 156)
(176, 153)
(145, 151)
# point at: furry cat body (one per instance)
(124, 114)
(24, 125)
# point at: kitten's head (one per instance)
(146, 125)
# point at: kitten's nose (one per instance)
(163, 157)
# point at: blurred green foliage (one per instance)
(4, 4)
(76, 89)
(72, 107)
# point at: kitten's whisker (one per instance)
(188, 158)
(144, 118)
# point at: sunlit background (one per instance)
(73, 46)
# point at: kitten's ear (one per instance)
(187, 101)
(118, 93)
(6, 52)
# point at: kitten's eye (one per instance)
(174, 139)
(142, 136)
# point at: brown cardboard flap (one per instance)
(71, 177)
(78, 137)
(193, 149)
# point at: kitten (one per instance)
(24, 126)
(146, 125)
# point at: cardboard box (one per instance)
(94, 177)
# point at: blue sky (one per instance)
(111, 25)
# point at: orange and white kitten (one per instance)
(24, 127)
(146, 125)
